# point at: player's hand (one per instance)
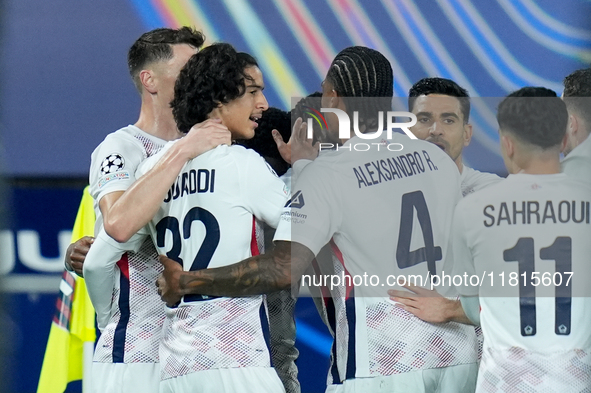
(299, 146)
(205, 136)
(76, 254)
(284, 148)
(302, 147)
(425, 304)
(168, 281)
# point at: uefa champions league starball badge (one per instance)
(113, 163)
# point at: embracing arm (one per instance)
(126, 212)
(264, 273)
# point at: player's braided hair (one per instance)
(155, 45)
(535, 116)
(365, 75)
(215, 75)
(577, 93)
(441, 86)
(263, 142)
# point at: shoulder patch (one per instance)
(112, 163)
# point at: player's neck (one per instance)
(158, 122)
(541, 166)
(460, 164)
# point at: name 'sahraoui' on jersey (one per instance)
(537, 335)
(134, 326)
(206, 221)
(375, 206)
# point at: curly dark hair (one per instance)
(577, 93)
(534, 117)
(442, 86)
(156, 45)
(263, 142)
(365, 76)
(216, 75)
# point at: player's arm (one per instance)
(99, 271)
(264, 273)
(125, 212)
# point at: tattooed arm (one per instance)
(264, 273)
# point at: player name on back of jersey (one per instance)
(536, 212)
(191, 182)
(384, 170)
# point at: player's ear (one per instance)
(467, 133)
(333, 99)
(508, 145)
(572, 127)
(148, 81)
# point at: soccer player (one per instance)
(154, 61)
(577, 144)
(216, 344)
(369, 216)
(442, 108)
(129, 312)
(532, 225)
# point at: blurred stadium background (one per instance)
(64, 85)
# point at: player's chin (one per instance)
(247, 133)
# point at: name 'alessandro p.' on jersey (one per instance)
(388, 212)
(528, 241)
(207, 220)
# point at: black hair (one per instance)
(263, 142)
(534, 117)
(216, 75)
(156, 45)
(576, 86)
(441, 86)
(359, 72)
(530, 91)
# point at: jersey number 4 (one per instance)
(430, 253)
(524, 254)
(208, 247)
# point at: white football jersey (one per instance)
(114, 162)
(130, 311)
(516, 241)
(389, 213)
(578, 162)
(207, 220)
(473, 180)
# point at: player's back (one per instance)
(207, 220)
(390, 212)
(529, 237)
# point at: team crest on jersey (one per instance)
(296, 201)
(112, 163)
